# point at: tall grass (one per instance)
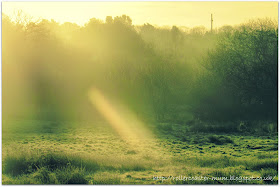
(62, 168)
(224, 161)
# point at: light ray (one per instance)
(122, 120)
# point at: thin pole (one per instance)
(211, 22)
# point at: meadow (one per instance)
(94, 153)
(112, 102)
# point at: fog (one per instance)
(160, 74)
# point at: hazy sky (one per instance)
(188, 14)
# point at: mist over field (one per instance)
(112, 102)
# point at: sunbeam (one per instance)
(122, 120)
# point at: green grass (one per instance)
(219, 140)
(43, 175)
(96, 154)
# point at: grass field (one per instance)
(43, 152)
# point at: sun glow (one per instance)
(124, 122)
(189, 14)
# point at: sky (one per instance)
(189, 14)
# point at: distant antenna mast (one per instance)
(211, 22)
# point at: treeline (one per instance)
(163, 74)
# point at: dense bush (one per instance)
(240, 82)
